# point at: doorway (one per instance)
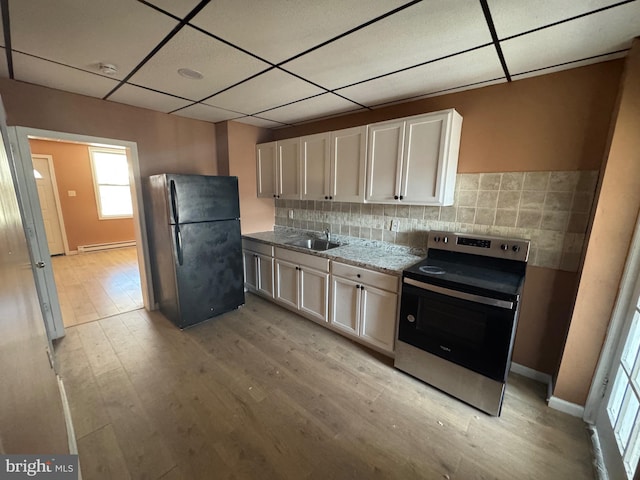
(35, 226)
(45, 176)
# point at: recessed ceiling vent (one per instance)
(108, 68)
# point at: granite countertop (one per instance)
(371, 254)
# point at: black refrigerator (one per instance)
(196, 247)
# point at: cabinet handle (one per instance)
(401, 197)
(357, 286)
(326, 198)
(330, 197)
(395, 197)
(274, 195)
(358, 275)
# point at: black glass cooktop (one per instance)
(470, 272)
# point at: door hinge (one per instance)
(605, 384)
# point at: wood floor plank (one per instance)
(101, 456)
(263, 393)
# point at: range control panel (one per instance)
(498, 247)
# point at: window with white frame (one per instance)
(111, 182)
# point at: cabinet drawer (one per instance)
(369, 277)
(310, 261)
(257, 247)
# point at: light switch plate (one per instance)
(71, 193)
(290, 213)
(394, 225)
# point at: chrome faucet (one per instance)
(327, 234)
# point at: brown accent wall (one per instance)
(166, 143)
(257, 213)
(551, 122)
(611, 233)
(72, 166)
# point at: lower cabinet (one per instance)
(258, 267)
(302, 283)
(364, 304)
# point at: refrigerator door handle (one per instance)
(174, 201)
(178, 245)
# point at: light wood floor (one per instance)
(261, 393)
(97, 285)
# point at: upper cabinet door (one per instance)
(348, 157)
(316, 157)
(288, 169)
(266, 169)
(430, 158)
(384, 161)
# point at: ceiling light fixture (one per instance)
(191, 74)
(108, 69)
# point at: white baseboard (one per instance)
(531, 373)
(105, 246)
(572, 409)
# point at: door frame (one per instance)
(56, 196)
(36, 236)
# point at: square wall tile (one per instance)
(490, 181)
(512, 181)
(536, 181)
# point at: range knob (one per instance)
(515, 248)
(445, 239)
(411, 318)
(504, 247)
(436, 239)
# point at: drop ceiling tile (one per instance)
(566, 66)
(220, 64)
(422, 32)
(141, 97)
(268, 90)
(179, 9)
(84, 33)
(279, 29)
(259, 122)
(575, 40)
(512, 17)
(4, 70)
(320, 106)
(464, 69)
(207, 113)
(49, 74)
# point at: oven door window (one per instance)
(471, 334)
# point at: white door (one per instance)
(614, 400)
(45, 178)
(316, 157)
(345, 305)
(265, 275)
(384, 162)
(348, 157)
(286, 291)
(266, 169)
(250, 270)
(288, 169)
(314, 294)
(378, 316)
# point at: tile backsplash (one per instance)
(549, 208)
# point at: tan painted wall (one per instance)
(257, 214)
(607, 250)
(72, 166)
(551, 122)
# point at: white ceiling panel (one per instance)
(559, 68)
(322, 105)
(220, 64)
(567, 42)
(266, 91)
(41, 72)
(207, 113)
(4, 70)
(84, 33)
(179, 9)
(425, 31)
(141, 97)
(260, 122)
(512, 17)
(279, 29)
(471, 67)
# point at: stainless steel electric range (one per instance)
(458, 315)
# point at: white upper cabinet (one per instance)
(315, 151)
(266, 154)
(414, 160)
(278, 169)
(348, 157)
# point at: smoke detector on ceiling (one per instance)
(191, 74)
(108, 68)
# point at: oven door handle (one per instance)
(494, 302)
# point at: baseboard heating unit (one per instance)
(105, 246)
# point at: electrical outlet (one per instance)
(290, 213)
(394, 225)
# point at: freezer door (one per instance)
(209, 269)
(199, 198)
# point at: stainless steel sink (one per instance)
(314, 244)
